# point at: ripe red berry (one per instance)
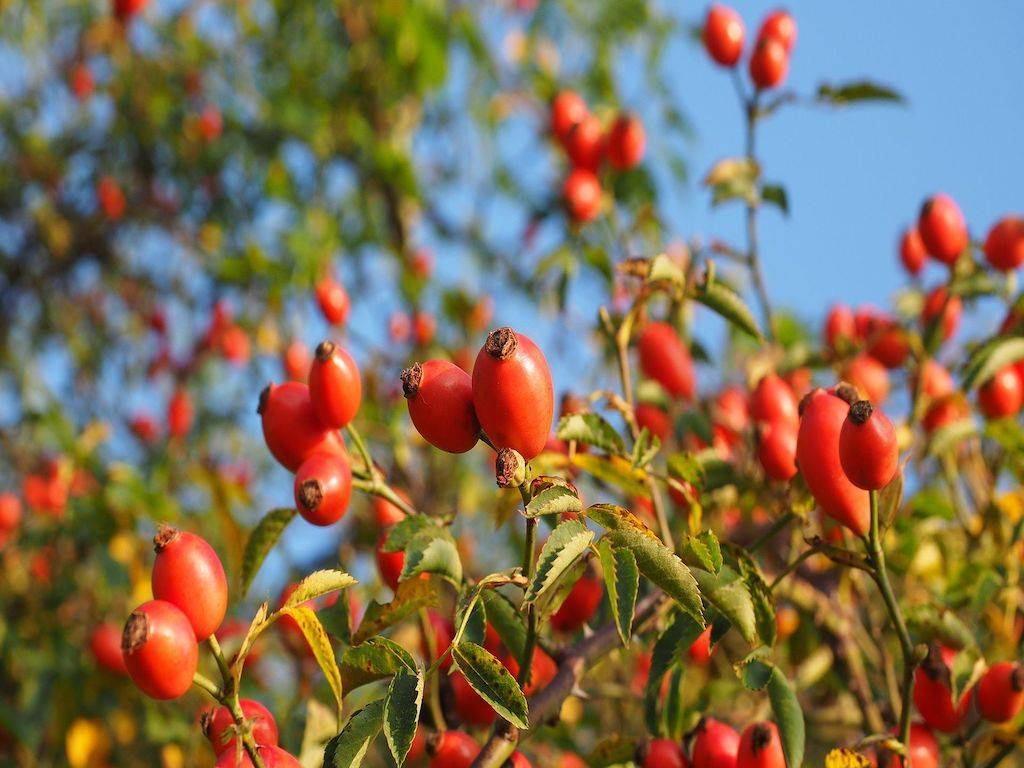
(945, 411)
(211, 124)
(723, 35)
(333, 300)
(867, 447)
(700, 649)
(389, 564)
(105, 644)
(937, 382)
(451, 749)
(933, 305)
(10, 512)
(160, 651)
(626, 142)
(1002, 395)
(385, 513)
(582, 195)
(440, 399)
(272, 757)
(513, 396)
(290, 426)
(942, 228)
(666, 359)
(869, 376)
(424, 326)
(715, 745)
(180, 414)
(335, 388)
(889, 344)
(912, 251)
(776, 449)
(542, 671)
(839, 324)
(82, 82)
(518, 760)
(773, 400)
(323, 486)
(924, 750)
(761, 747)
(585, 144)
(469, 704)
(769, 63)
(662, 753)
(125, 9)
(817, 453)
(567, 109)
(580, 604)
(781, 26)
(731, 409)
(111, 198)
(234, 345)
(296, 361)
(1001, 692)
(933, 694)
(218, 726)
(187, 573)
(654, 419)
(1004, 245)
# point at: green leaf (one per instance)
(401, 534)
(676, 639)
(656, 561)
(776, 195)
(645, 449)
(431, 552)
(858, 90)
(760, 594)
(727, 592)
(318, 641)
(554, 500)
(259, 622)
(949, 436)
(317, 584)
(507, 622)
(493, 682)
(788, 717)
(990, 358)
(564, 546)
(261, 541)
(702, 551)
(375, 659)
(724, 301)
(665, 269)
(592, 429)
(733, 178)
(348, 748)
(622, 580)
(410, 597)
(402, 712)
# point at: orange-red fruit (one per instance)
(385, 513)
(180, 414)
(111, 198)
(160, 651)
(1004, 245)
(761, 747)
(10, 512)
(663, 753)
(781, 26)
(424, 326)
(867, 447)
(1001, 692)
(105, 644)
(715, 745)
(654, 419)
(542, 670)
(290, 426)
(889, 344)
(933, 695)
(216, 726)
(580, 604)
(567, 109)
(1002, 395)
(943, 229)
(513, 396)
(452, 749)
(518, 760)
(944, 411)
(912, 251)
(333, 300)
(323, 486)
(937, 382)
(389, 564)
(582, 195)
(440, 399)
(933, 305)
(700, 650)
(585, 144)
(335, 388)
(723, 35)
(769, 63)
(924, 750)
(272, 757)
(773, 400)
(776, 449)
(187, 573)
(869, 376)
(296, 361)
(817, 453)
(839, 324)
(626, 142)
(82, 82)
(666, 359)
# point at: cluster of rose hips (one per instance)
(714, 744)
(587, 145)
(768, 65)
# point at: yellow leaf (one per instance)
(846, 758)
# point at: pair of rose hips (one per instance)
(724, 34)
(455, 749)
(300, 427)
(509, 397)
(717, 745)
(587, 145)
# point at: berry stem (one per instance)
(228, 696)
(204, 683)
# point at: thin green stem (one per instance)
(364, 454)
(529, 569)
(222, 664)
(228, 696)
(204, 683)
(434, 690)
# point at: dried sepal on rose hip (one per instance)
(160, 650)
(335, 387)
(219, 726)
(509, 468)
(188, 573)
(714, 744)
(868, 448)
(440, 399)
(933, 691)
(323, 487)
(760, 747)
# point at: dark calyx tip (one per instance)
(760, 737)
(324, 350)
(847, 392)
(165, 534)
(806, 400)
(642, 750)
(412, 377)
(1017, 678)
(205, 720)
(861, 411)
(935, 666)
(501, 344)
(506, 466)
(264, 397)
(311, 493)
(136, 632)
(434, 742)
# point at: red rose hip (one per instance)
(216, 725)
(769, 63)
(912, 251)
(662, 753)
(105, 644)
(290, 426)
(626, 142)
(187, 573)
(867, 447)
(440, 399)
(776, 450)
(666, 359)
(723, 35)
(1004, 244)
(580, 604)
(1001, 692)
(333, 300)
(451, 749)
(567, 109)
(781, 26)
(715, 745)
(942, 228)
(760, 747)
(335, 388)
(773, 400)
(1002, 395)
(582, 195)
(323, 486)
(160, 651)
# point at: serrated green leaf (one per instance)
(507, 622)
(411, 596)
(675, 640)
(259, 622)
(722, 300)
(348, 748)
(261, 541)
(592, 429)
(564, 546)
(760, 594)
(402, 712)
(374, 659)
(317, 584)
(858, 90)
(408, 528)
(701, 551)
(320, 644)
(622, 580)
(493, 682)
(645, 449)
(554, 500)
(430, 552)
(730, 596)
